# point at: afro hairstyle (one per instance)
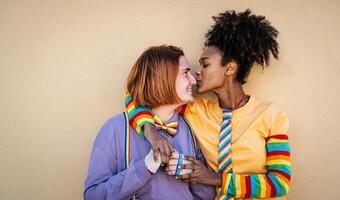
(244, 38)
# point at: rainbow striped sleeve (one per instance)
(138, 117)
(274, 183)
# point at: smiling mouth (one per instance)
(189, 90)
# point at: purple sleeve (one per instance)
(104, 181)
(200, 190)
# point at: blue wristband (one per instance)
(179, 164)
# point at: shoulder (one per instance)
(109, 130)
(270, 108)
(274, 115)
(115, 120)
(201, 103)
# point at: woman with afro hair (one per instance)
(244, 139)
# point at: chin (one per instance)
(190, 100)
(187, 100)
(200, 90)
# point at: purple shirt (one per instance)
(108, 179)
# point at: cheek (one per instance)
(213, 78)
(210, 75)
(181, 84)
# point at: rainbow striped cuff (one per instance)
(275, 183)
(181, 110)
(138, 117)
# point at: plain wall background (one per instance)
(63, 65)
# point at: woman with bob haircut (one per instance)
(122, 165)
(243, 138)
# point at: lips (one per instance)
(198, 82)
(189, 90)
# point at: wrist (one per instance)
(215, 179)
(148, 130)
(218, 179)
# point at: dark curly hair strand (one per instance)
(244, 38)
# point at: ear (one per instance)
(230, 68)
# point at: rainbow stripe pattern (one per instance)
(170, 128)
(127, 141)
(127, 146)
(224, 148)
(274, 183)
(138, 117)
(181, 110)
(224, 145)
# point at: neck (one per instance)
(230, 96)
(164, 112)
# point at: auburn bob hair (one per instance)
(152, 80)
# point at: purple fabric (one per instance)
(108, 179)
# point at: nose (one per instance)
(198, 72)
(192, 79)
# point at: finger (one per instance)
(185, 176)
(155, 155)
(172, 167)
(195, 174)
(161, 149)
(171, 148)
(197, 162)
(194, 180)
(171, 172)
(173, 162)
(189, 158)
(186, 171)
(196, 167)
(167, 149)
(164, 159)
(192, 159)
(174, 155)
(187, 166)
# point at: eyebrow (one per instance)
(202, 59)
(186, 69)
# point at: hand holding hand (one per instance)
(158, 143)
(200, 174)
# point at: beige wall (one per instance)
(63, 65)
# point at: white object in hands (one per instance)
(152, 164)
(186, 171)
(175, 159)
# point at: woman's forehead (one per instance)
(210, 52)
(183, 63)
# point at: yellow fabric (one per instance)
(252, 124)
